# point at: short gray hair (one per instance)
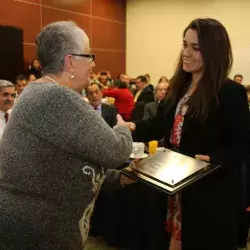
(57, 40)
(6, 84)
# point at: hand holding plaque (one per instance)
(169, 171)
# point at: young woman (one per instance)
(205, 116)
(35, 68)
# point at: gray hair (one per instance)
(57, 40)
(5, 84)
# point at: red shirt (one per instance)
(124, 101)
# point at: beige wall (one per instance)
(154, 33)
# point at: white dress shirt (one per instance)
(2, 123)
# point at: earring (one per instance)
(72, 77)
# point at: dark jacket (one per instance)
(36, 72)
(210, 206)
(109, 114)
(147, 95)
(151, 87)
(150, 110)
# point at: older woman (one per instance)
(56, 149)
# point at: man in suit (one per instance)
(148, 81)
(144, 91)
(143, 95)
(150, 109)
(7, 97)
(108, 112)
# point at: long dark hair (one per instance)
(217, 57)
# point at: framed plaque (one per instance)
(169, 171)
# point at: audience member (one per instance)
(35, 68)
(31, 78)
(119, 77)
(107, 112)
(144, 93)
(148, 77)
(105, 79)
(124, 100)
(21, 83)
(126, 78)
(150, 109)
(163, 79)
(56, 149)
(7, 96)
(148, 82)
(238, 78)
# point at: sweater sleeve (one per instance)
(112, 181)
(63, 119)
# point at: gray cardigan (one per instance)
(53, 157)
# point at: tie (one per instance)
(98, 110)
(6, 116)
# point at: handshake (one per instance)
(130, 125)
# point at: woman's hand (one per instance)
(124, 180)
(203, 158)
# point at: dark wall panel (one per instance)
(11, 51)
(103, 20)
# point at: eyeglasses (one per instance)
(91, 57)
(162, 90)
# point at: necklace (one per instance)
(190, 88)
(51, 79)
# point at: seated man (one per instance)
(150, 109)
(148, 80)
(108, 112)
(144, 91)
(7, 96)
(143, 95)
(21, 83)
(238, 78)
(31, 78)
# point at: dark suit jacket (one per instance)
(209, 206)
(109, 113)
(150, 110)
(151, 87)
(147, 95)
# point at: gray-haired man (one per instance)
(7, 96)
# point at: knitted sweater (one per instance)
(53, 157)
